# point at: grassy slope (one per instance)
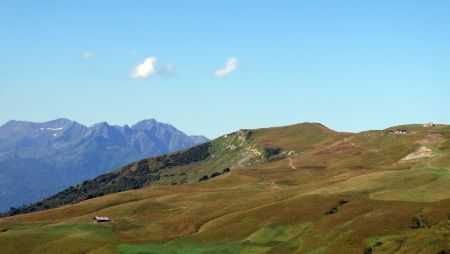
(273, 207)
(234, 150)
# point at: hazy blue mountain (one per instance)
(40, 159)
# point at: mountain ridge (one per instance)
(66, 152)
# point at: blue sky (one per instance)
(351, 65)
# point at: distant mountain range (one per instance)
(40, 159)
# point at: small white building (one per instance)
(429, 124)
(98, 219)
(401, 131)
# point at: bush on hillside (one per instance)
(271, 151)
(203, 178)
(215, 174)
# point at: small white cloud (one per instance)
(88, 55)
(229, 67)
(145, 69)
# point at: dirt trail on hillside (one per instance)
(205, 225)
(291, 163)
(430, 138)
(241, 163)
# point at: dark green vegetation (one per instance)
(40, 159)
(133, 176)
(205, 177)
(293, 189)
(335, 208)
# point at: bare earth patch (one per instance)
(421, 152)
(430, 138)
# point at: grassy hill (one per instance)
(294, 189)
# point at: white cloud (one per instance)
(229, 67)
(145, 69)
(88, 55)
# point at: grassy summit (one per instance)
(293, 189)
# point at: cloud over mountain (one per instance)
(145, 69)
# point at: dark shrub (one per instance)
(343, 202)
(215, 174)
(203, 178)
(417, 223)
(271, 151)
(331, 211)
(368, 251)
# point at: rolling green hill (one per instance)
(295, 189)
(200, 163)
